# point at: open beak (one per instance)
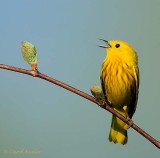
(107, 46)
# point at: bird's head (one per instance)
(120, 49)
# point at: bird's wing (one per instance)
(134, 92)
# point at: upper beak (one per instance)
(108, 45)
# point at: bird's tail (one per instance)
(118, 131)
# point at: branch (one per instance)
(84, 95)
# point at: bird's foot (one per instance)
(129, 123)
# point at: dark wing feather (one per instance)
(134, 92)
(103, 88)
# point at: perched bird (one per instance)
(120, 83)
(29, 54)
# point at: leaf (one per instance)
(97, 92)
(29, 54)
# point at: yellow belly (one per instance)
(118, 95)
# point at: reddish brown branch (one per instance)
(82, 94)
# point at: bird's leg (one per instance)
(129, 121)
(102, 103)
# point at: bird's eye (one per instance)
(117, 45)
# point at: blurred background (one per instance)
(40, 119)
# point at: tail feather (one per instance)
(118, 131)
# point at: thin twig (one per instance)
(82, 94)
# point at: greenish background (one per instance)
(36, 115)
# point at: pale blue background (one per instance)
(37, 115)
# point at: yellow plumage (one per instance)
(120, 82)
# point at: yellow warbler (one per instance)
(120, 82)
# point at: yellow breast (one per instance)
(117, 77)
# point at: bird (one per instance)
(120, 84)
